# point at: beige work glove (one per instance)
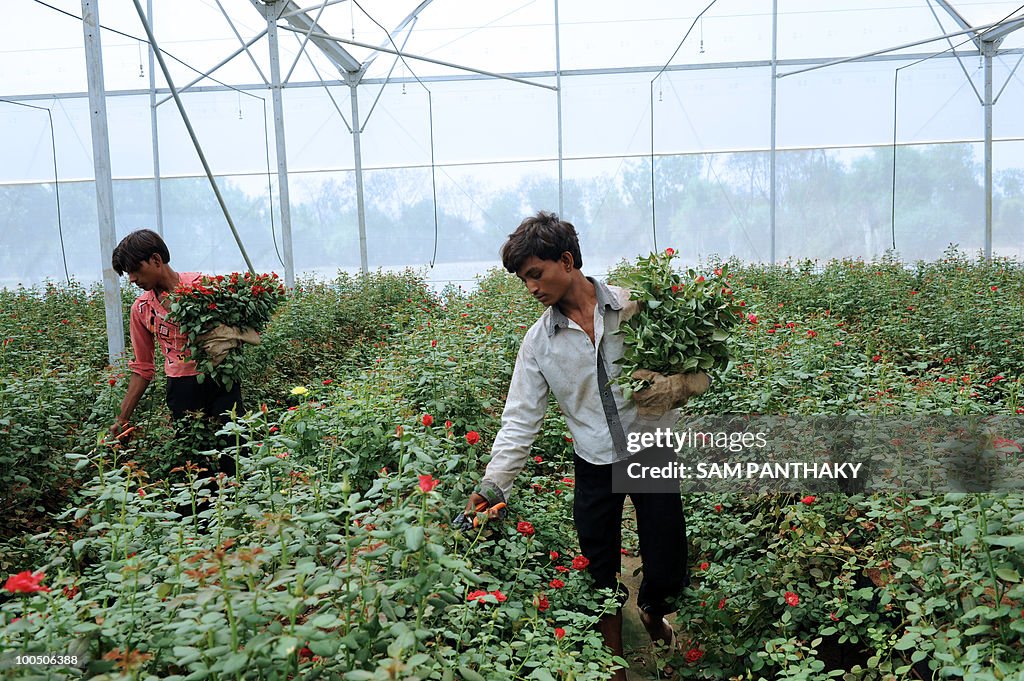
(667, 392)
(217, 343)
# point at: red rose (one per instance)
(704, 566)
(670, 251)
(808, 500)
(721, 604)
(792, 599)
(448, 425)
(25, 582)
(540, 601)
(580, 562)
(559, 632)
(475, 595)
(718, 508)
(561, 568)
(537, 459)
(427, 420)
(876, 358)
(472, 437)
(694, 655)
(524, 528)
(554, 555)
(427, 483)
(752, 318)
(556, 584)
(500, 596)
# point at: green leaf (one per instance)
(414, 537)
(1016, 543)
(1008, 575)
(235, 662)
(908, 641)
(286, 645)
(468, 674)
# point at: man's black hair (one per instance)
(543, 235)
(136, 248)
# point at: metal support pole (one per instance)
(282, 156)
(104, 178)
(771, 159)
(191, 132)
(357, 151)
(558, 95)
(157, 189)
(989, 49)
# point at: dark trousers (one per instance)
(661, 527)
(186, 395)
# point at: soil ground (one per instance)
(639, 652)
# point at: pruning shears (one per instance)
(461, 522)
(122, 438)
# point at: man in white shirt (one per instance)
(571, 352)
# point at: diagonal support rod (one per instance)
(192, 133)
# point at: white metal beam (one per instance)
(990, 48)
(104, 179)
(191, 132)
(301, 22)
(281, 151)
(245, 45)
(154, 130)
(845, 60)
(244, 48)
(1002, 29)
(300, 10)
(327, 36)
(413, 15)
(960, 21)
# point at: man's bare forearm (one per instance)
(136, 387)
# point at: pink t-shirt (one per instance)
(148, 320)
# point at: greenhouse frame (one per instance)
(752, 129)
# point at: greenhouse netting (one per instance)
(822, 130)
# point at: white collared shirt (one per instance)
(557, 356)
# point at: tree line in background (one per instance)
(828, 206)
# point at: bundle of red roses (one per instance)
(221, 313)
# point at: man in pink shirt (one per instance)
(144, 256)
